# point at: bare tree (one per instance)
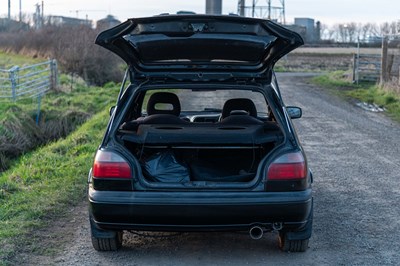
(72, 46)
(331, 33)
(393, 28)
(398, 27)
(374, 31)
(352, 30)
(365, 30)
(341, 32)
(384, 29)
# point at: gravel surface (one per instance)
(354, 155)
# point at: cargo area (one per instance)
(201, 152)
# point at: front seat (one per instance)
(239, 104)
(239, 111)
(163, 108)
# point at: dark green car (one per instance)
(200, 139)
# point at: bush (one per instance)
(72, 46)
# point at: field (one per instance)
(341, 50)
(8, 60)
(328, 58)
(324, 59)
(314, 59)
(331, 50)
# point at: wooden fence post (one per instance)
(384, 74)
(353, 78)
(53, 74)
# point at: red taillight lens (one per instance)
(110, 165)
(288, 166)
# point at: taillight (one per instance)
(287, 167)
(110, 165)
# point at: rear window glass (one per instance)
(201, 100)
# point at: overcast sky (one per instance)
(328, 12)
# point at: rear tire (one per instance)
(301, 243)
(105, 240)
(108, 244)
(292, 245)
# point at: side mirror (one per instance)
(294, 112)
(111, 111)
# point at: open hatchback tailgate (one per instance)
(199, 44)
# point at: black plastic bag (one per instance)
(164, 167)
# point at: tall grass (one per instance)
(45, 182)
(61, 112)
(337, 80)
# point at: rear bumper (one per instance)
(198, 211)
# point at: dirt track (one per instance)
(355, 158)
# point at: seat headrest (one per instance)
(239, 104)
(169, 104)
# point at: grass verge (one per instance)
(337, 83)
(45, 182)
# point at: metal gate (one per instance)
(29, 82)
(366, 67)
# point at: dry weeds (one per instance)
(21, 134)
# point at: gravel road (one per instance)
(355, 157)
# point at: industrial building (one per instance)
(107, 22)
(67, 21)
(307, 28)
(275, 11)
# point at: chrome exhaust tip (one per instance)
(256, 232)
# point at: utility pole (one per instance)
(20, 11)
(37, 17)
(9, 9)
(42, 17)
